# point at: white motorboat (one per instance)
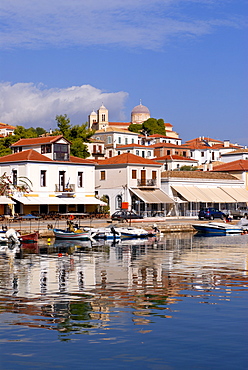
(132, 232)
(219, 228)
(106, 233)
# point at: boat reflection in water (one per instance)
(136, 294)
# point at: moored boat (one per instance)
(29, 238)
(218, 228)
(132, 232)
(75, 235)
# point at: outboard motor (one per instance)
(12, 236)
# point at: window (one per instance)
(202, 154)
(168, 152)
(137, 152)
(213, 156)
(14, 177)
(43, 178)
(118, 153)
(149, 153)
(102, 175)
(154, 175)
(80, 179)
(109, 140)
(134, 174)
(132, 141)
(110, 154)
(61, 152)
(103, 117)
(184, 154)
(94, 148)
(126, 140)
(118, 201)
(46, 148)
(119, 140)
(143, 153)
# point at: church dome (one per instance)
(140, 109)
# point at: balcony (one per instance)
(146, 182)
(65, 189)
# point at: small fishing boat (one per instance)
(69, 234)
(29, 238)
(217, 228)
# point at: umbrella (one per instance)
(30, 217)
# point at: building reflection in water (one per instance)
(148, 277)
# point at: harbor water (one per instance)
(175, 303)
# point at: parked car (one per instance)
(124, 215)
(210, 213)
(239, 213)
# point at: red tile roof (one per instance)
(167, 145)
(25, 155)
(34, 156)
(240, 165)
(37, 140)
(128, 158)
(174, 158)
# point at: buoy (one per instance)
(60, 254)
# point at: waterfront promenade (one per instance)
(165, 224)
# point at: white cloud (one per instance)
(131, 23)
(32, 105)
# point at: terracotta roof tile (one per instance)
(175, 158)
(239, 165)
(198, 175)
(37, 140)
(33, 155)
(128, 158)
(238, 151)
(166, 145)
(25, 155)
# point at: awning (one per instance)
(6, 200)
(204, 194)
(60, 200)
(186, 193)
(239, 194)
(219, 195)
(152, 196)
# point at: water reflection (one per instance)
(74, 287)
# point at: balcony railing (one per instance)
(146, 182)
(65, 189)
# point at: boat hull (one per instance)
(29, 238)
(64, 235)
(218, 229)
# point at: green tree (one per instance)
(135, 127)
(188, 168)
(79, 149)
(63, 123)
(154, 126)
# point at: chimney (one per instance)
(226, 143)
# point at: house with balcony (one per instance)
(59, 182)
(133, 180)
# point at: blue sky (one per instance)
(185, 59)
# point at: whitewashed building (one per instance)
(134, 180)
(59, 182)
